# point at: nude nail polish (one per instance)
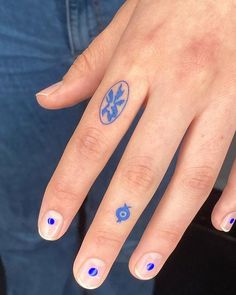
(148, 266)
(90, 274)
(49, 90)
(228, 222)
(50, 225)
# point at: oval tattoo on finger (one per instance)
(114, 102)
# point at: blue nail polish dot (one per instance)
(51, 221)
(150, 266)
(93, 271)
(232, 220)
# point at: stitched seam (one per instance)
(69, 28)
(97, 10)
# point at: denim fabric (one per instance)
(38, 42)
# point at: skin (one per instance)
(179, 59)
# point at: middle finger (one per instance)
(134, 183)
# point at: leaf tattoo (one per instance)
(113, 101)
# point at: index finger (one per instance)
(102, 126)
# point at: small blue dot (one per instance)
(232, 220)
(51, 221)
(150, 266)
(93, 271)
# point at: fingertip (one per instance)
(45, 237)
(215, 221)
(68, 94)
(45, 102)
(46, 97)
(223, 220)
(147, 266)
(50, 225)
(131, 268)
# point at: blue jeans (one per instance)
(38, 42)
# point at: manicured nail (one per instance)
(91, 273)
(50, 89)
(148, 266)
(50, 225)
(228, 222)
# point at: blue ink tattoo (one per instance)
(51, 221)
(93, 271)
(150, 266)
(123, 213)
(114, 102)
(232, 220)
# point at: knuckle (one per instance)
(170, 236)
(199, 55)
(198, 179)
(63, 192)
(83, 62)
(88, 60)
(105, 238)
(213, 144)
(92, 144)
(139, 173)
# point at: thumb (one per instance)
(87, 71)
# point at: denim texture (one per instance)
(39, 40)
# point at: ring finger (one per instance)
(201, 156)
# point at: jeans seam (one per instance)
(71, 7)
(76, 21)
(97, 12)
(80, 16)
(69, 28)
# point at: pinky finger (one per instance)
(224, 213)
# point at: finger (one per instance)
(84, 76)
(224, 213)
(136, 178)
(94, 140)
(201, 156)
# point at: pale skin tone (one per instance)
(179, 60)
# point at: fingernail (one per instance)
(50, 225)
(228, 222)
(148, 266)
(50, 89)
(91, 273)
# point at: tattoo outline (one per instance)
(114, 102)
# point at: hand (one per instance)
(178, 58)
